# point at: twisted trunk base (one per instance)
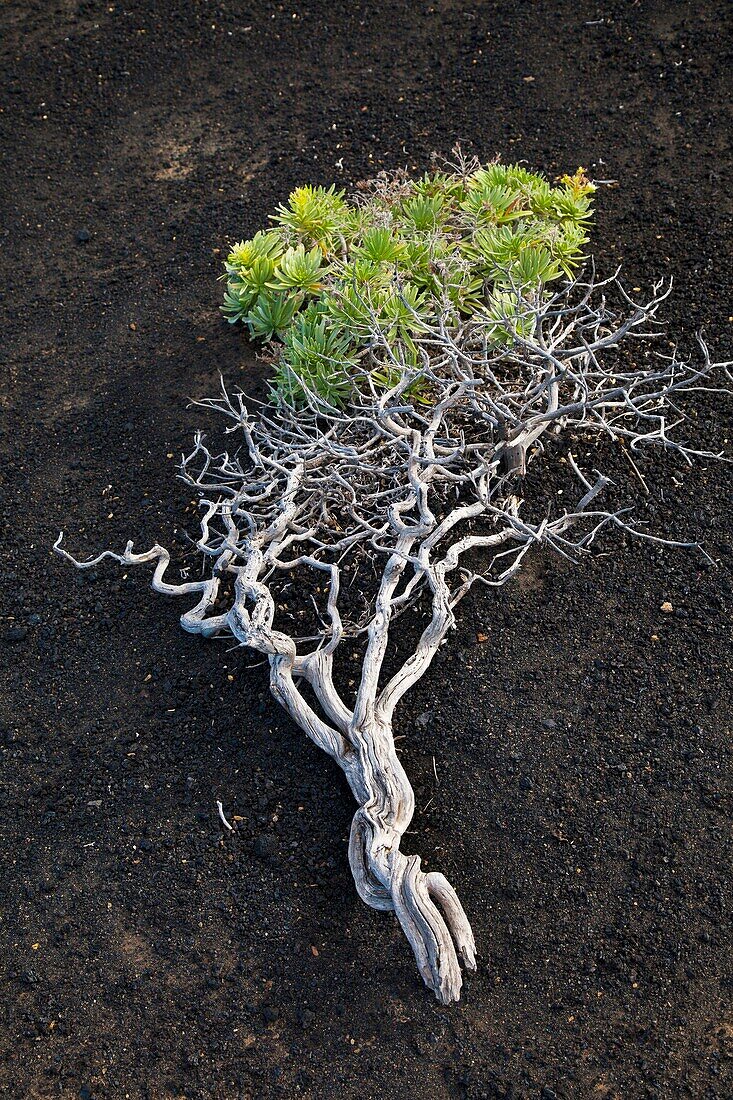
(425, 903)
(362, 743)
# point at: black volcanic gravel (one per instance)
(582, 806)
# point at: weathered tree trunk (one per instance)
(426, 905)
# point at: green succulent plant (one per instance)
(362, 271)
(567, 247)
(424, 212)
(314, 214)
(509, 315)
(246, 283)
(379, 245)
(403, 315)
(271, 315)
(336, 283)
(236, 304)
(494, 204)
(355, 307)
(449, 185)
(316, 362)
(298, 270)
(263, 246)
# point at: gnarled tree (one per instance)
(408, 492)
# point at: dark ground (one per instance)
(145, 955)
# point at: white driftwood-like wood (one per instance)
(414, 486)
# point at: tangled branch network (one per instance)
(424, 480)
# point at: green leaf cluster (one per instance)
(342, 284)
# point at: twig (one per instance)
(224, 821)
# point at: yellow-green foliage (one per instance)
(471, 248)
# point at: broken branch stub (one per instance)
(399, 490)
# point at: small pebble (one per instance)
(264, 846)
(82, 236)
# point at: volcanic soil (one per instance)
(569, 747)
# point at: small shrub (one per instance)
(429, 353)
